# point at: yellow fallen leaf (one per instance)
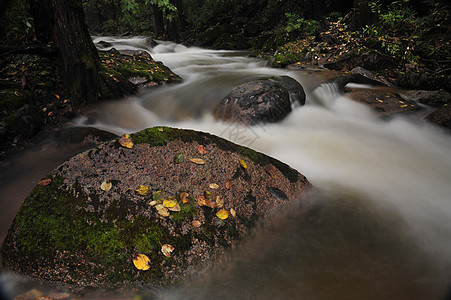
(143, 190)
(125, 141)
(106, 186)
(167, 249)
(170, 202)
(160, 129)
(213, 186)
(243, 163)
(233, 212)
(196, 223)
(163, 211)
(141, 262)
(222, 214)
(152, 203)
(198, 161)
(201, 201)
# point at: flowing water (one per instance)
(380, 227)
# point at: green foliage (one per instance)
(400, 32)
(296, 23)
(16, 25)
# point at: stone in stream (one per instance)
(261, 101)
(89, 219)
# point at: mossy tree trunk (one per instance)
(62, 22)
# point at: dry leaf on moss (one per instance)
(163, 211)
(167, 249)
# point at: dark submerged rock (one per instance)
(441, 117)
(261, 101)
(73, 232)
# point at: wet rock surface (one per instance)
(261, 101)
(73, 229)
(385, 102)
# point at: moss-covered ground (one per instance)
(31, 88)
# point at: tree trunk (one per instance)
(171, 27)
(158, 21)
(78, 57)
(183, 23)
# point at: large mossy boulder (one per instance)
(87, 221)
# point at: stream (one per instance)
(380, 228)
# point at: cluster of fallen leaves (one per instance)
(165, 205)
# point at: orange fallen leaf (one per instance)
(198, 161)
(222, 214)
(141, 262)
(167, 249)
(196, 223)
(45, 182)
(184, 197)
(228, 184)
(202, 150)
(125, 141)
(201, 201)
